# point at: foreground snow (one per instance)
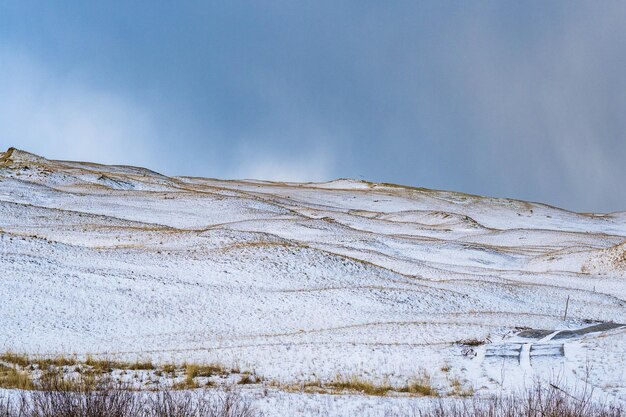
(300, 282)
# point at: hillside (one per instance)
(307, 280)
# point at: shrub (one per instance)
(112, 401)
(539, 401)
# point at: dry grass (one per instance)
(106, 365)
(210, 370)
(44, 362)
(107, 400)
(169, 368)
(54, 361)
(135, 366)
(12, 378)
(356, 383)
(15, 358)
(458, 389)
(18, 369)
(191, 372)
(420, 385)
(420, 389)
(539, 401)
(54, 380)
(248, 378)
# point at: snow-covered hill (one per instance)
(300, 281)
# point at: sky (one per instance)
(504, 98)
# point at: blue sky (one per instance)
(504, 98)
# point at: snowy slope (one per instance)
(300, 281)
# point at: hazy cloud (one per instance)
(548, 109)
(61, 118)
(259, 164)
(502, 98)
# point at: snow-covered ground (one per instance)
(306, 281)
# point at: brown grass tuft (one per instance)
(15, 359)
(12, 378)
(355, 383)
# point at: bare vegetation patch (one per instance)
(110, 400)
(539, 401)
(356, 383)
(14, 358)
(26, 372)
(106, 399)
(106, 365)
(459, 389)
(12, 378)
(421, 385)
(191, 372)
(248, 378)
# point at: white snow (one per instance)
(300, 281)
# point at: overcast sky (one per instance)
(504, 98)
